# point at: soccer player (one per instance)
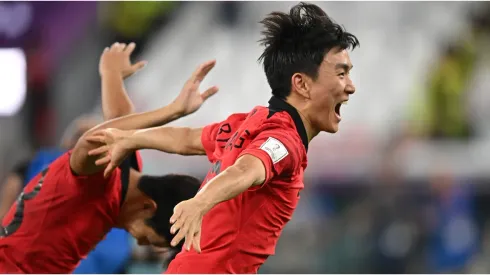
(258, 158)
(69, 207)
(30, 167)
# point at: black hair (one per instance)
(297, 43)
(167, 191)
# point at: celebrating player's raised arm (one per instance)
(187, 102)
(114, 67)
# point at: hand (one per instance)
(116, 60)
(190, 99)
(113, 150)
(187, 220)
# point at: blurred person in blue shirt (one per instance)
(454, 234)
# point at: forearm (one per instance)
(173, 140)
(227, 185)
(82, 164)
(115, 101)
(143, 120)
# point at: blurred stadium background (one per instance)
(402, 188)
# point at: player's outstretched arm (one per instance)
(114, 67)
(188, 101)
(247, 171)
(116, 144)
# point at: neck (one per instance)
(130, 205)
(311, 132)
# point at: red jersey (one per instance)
(59, 218)
(238, 235)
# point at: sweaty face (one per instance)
(330, 90)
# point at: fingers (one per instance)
(97, 139)
(176, 215)
(138, 66)
(106, 49)
(209, 92)
(189, 237)
(121, 47)
(178, 221)
(114, 46)
(180, 235)
(203, 70)
(101, 132)
(118, 47)
(108, 170)
(176, 226)
(187, 234)
(99, 151)
(103, 161)
(130, 48)
(196, 243)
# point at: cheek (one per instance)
(323, 102)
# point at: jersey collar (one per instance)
(276, 105)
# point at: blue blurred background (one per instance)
(402, 188)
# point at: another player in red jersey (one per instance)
(68, 208)
(232, 225)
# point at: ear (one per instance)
(301, 83)
(150, 205)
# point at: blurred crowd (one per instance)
(403, 188)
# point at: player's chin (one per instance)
(333, 129)
(333, 125)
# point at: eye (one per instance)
(342, 75)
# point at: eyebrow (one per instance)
(344, 66)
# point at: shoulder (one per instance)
(278, 125)
(231, 121)
(226, 127)
(62, 168)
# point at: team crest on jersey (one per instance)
(276, 150)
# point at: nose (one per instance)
(350, 88)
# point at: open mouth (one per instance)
(337, 108)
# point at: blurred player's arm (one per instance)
(188, 101)
(114, 67)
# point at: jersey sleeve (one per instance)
(136, 161)
(278, 149)
(208, 139)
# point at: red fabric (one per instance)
(63, 222)
(238, 235)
